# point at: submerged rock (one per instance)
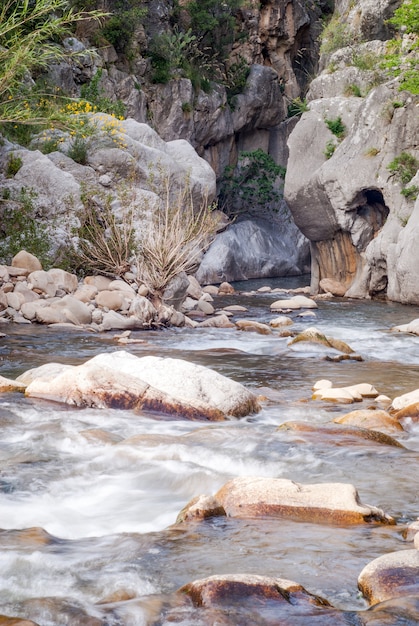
(390, 576)
(122, 380)
(313, 335)
(253, 326)
(25, 538)
(397, 611)
(370, 419)
(339, 434)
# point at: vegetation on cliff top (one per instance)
(30, 37)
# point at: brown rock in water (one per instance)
(234, 588)
(328, 285)
(410, 532)
(312, 335)
(97, 435)
(200, 508)
(410, 411)
(252, 326)
(281, 320)
(26, 538)
(16, 621)
(371, 420)
(339, 434)
(390, 576)
(225, 288)
(336, 503)
(343, 395)
(59, 611)
(406, 400)
(404, 610)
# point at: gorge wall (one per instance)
(354, 195)
(342, 187)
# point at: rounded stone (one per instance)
(27, 261)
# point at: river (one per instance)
(107, 485)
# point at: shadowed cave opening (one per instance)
(372, 208)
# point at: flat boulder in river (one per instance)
(171, 386)
(335, 503)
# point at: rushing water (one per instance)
(107, 485)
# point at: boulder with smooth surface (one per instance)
(390, 576)
(120, 379)
(279, 497)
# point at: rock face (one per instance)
(121, 380)
(362, 229)
(255, 248)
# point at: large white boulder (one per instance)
(120, 379)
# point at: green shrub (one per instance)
(93, 93)
(49, 145)
(330, 149)
(371, 152)
(78, 149)
(410, 81)
(407, 16)
(187, 107)
(364, 60)
(336, 126)
(404, 167)
(410, 193)
(335, 35)
(297, 107)
(214, 24)
(20, 228)
(21, 134)
(250, 187)
(177, 53)
(236, 79)
(121, 26)
(13, 165)
(352, 90)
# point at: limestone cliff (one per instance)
(352, 176)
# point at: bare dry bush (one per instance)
(170, 239)
(174, 238)
(106, 242)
